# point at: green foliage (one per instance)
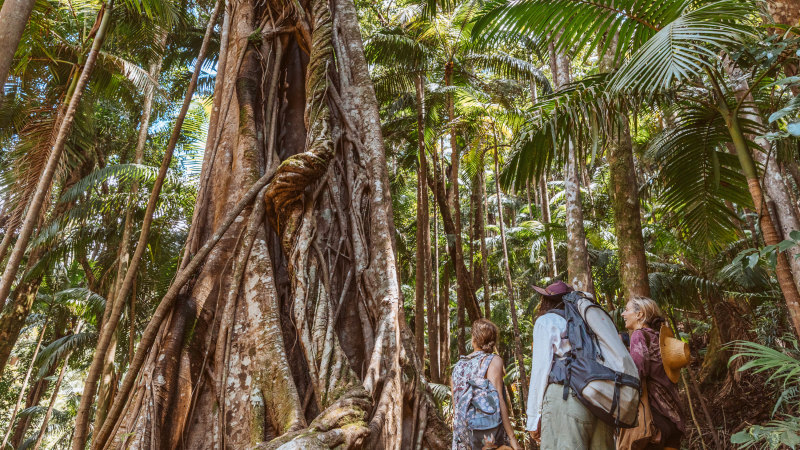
(783, 367)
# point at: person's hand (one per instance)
(537, 435)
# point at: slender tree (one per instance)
(43, 187)
(24, 387)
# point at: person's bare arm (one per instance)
(495, 376)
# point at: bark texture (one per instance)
(579, 273)
(14, 16)
(289, 334)
(627, 217)
(545, 206)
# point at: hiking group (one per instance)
(591, 387)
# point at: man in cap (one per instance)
(554, 422)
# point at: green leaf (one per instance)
(794, 128)
(786, 245)
(741, 437)
(752, 260)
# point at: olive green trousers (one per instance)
(568, 425)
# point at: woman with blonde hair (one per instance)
(644, 319)
(480, 415)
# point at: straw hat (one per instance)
(674, 353)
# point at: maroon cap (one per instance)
(554, 290)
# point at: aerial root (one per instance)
(341, 424)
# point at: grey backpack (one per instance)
(483, 411)
(598, 367)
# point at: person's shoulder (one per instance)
(549, 317)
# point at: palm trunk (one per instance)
(771, 237)
(509, 283)
(578, 270)
(487, 295)
(14, 16)
(479, 230)
(295, 337)
(43, 186)
(436, 183)
(6, 242)
(422, 215)
(23, 388)
(464, 288)
(551, 249)
(627, 217)
(117, 303)
(782, 208)
(54, 397)
(424, 239)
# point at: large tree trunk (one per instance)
(14, 16)
(296, 335)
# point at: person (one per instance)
(643, 318)
(480, 364)
(555, 423)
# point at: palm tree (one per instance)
(670, 42)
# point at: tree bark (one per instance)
(551, 249)
(14, 16)
(578, 270)
(627, 217)
(771, 237)
(296, 337)
(43, 186)
(509, 283)
(436, 183)
(780, 206)
(464, 289)
(425, 280)
(422, 225)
